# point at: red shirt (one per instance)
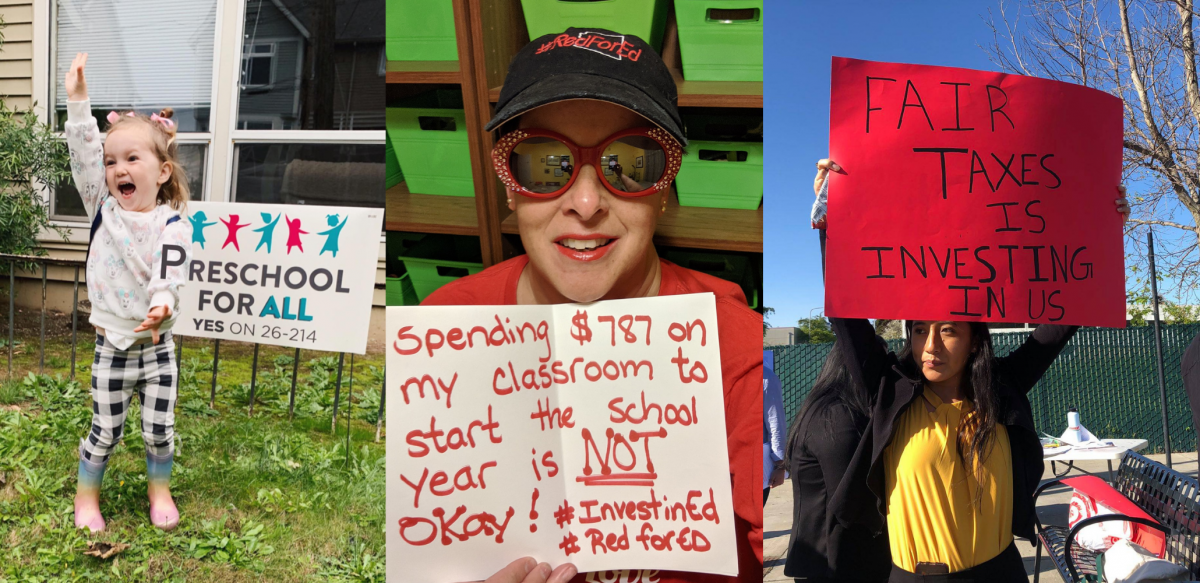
(740, 334)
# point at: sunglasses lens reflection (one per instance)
(633, 163)
(542, 165)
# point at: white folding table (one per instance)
(1109, 454)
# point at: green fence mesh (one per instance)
(1109, 375)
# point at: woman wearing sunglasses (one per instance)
(590, 140)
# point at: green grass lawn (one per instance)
(261, 498)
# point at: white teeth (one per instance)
(583, 245)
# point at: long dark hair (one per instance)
(834, 386)
(977, 432)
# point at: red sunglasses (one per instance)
(543, 164)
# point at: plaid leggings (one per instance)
(151, 370)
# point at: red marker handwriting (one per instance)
(683, 332)
(463, 480)
(672, 415)
(548, 464)
(564, 514)
(579, 327)
(485, 523)
(533, 511)
(610, 542)
(625, 325)
(569, 544)
(614, 446)
(547, 416)
(696, 373)
(456, 438)
(434, 384)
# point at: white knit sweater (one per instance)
(125, 276)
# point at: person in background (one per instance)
(774, 421)
(820, 444)
(1191, 379)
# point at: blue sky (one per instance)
(799, 40)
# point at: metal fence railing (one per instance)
(1110, 375)
(43, 263)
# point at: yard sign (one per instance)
(290, 275)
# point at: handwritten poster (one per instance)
(969, 195)
(289, 275)
(593, 434)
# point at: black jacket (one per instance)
(860, 498)
(821, 549)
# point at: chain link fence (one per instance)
(1109, 375)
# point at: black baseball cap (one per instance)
(591, 63)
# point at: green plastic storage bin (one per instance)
(394, 175)
(725, 175)
(431, 146)
(441, 259)
(642, 18)
(400, 291)
(420, 30)
(721, 40)
(724, 126)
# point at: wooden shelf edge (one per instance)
(423, 72)
(428, 213)
(430, 228)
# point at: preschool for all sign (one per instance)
(290, 275)
(971, 195)
(591, 434)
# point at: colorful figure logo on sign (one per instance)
(232, 225)
(267, 230)
(294, 233)
(198, 225)
(331, 236)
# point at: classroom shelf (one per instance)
(423, 72)
(489, 34)
(429, 213)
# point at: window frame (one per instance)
(281, 136)
(45, 90)
(223, 135)
(270, 84)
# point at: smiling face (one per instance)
(133, 172)
(941, 349)
(587, 244)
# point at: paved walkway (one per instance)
(1052, 507)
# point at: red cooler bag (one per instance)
(1095, 497)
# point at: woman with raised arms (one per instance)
(949, 457)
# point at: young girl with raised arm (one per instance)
(134, 190)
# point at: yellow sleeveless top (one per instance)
(930, 515)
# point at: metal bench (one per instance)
(1169, 497)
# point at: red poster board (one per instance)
(969, 195)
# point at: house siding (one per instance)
(16, 54)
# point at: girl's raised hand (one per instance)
(1123, 203)
(823, 167)
(76, 84)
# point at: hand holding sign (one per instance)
(969, 195)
